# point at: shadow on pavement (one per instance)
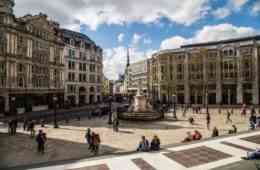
(22, 150)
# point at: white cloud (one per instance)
(94, 13)
(147, 41)
(120, 37)
(115, 60)
(256, 8)
(231, 6)
(173, 42)
(237, 4)
(136, 39)
(222, 13)
(209, 33)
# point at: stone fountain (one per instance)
(140, 109)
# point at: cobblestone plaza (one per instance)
(72, 136)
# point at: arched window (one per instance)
(92, 89)
(20, 82)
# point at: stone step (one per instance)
(140, 116)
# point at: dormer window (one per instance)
(72, 42)
(82, 44)
(229, 52)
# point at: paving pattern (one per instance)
(142, 164)
(238, 146)
(197, 156)
(206, 155)
(253, 139)
(96, 167)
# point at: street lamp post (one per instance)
(174, 106)
(110, 110)
(55, 99)
(13, 105)
(207, 102)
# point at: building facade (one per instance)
(118, 86)
(31, 61)
(84, 69)
(138, 77)
(107, 87)
(223, 72)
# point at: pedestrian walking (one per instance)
(208, 119)
(116, 125)
(88, 138)
(41, 139)
(42, 123)
(15, 125)
(25, 124)
(96, 143)
(228, 120)
(10, 127)
(252, 121)
(253, 112)
(184, 111)
(243, 110)
(219, 110)
(215, 132)
(31, 128)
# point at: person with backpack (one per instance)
(41, 140)
(96, 143)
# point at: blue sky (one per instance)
(149, 25)
(106, 35)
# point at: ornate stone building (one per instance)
(84, 69)
(107, 89)
(222, 72)
(31, 61)
(138, 77)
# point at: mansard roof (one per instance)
(234, 40)
(76, 35)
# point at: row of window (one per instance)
(83, 78)
(73, 89)
(83, 67)
(83, 55)
(40, 51)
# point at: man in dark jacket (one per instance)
(41, 140)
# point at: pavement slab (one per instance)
(96, 167)
(197, 156)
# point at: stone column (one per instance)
(15, 75)
(218, 79)
(7, 103)
(239, 79)
(229, 97)
(8, 75)
(159, 79)
(186, 79)
(86, 97)
(205, 78)
(255, 76)
(77, 96)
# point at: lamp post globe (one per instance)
(55, 99)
